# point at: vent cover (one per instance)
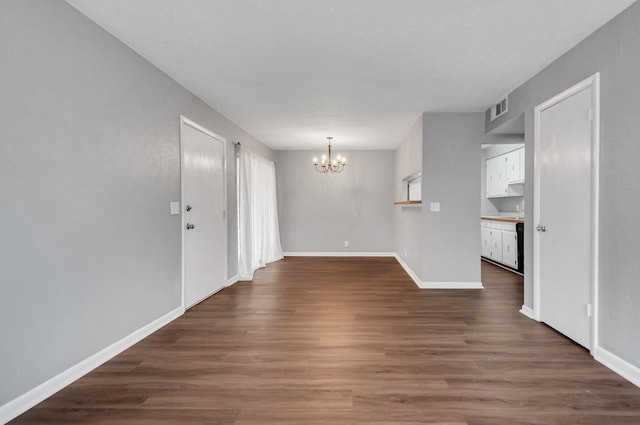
(499, 108)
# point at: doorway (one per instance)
(565, 238)
(204, 223)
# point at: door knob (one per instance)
(541, 228)
(190, 226)
(189, 208)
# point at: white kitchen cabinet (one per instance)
(500, 242)
(521, 155)
(505, 175)
(510, 249)
(486, 242)
(513, 167)
(496, 245)
(495, 177)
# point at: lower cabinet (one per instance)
(500, 243)
(486, 242)
(496, 245)
(510, 249)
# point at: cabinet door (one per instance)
(495, 180)
(521, 155)
(496, 245)
(489, 179)
(510, 249)
(486, 242)
(513, 167)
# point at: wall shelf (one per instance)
(407, 203)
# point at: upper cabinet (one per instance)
(505, 175)
(515, 166)
(496, 181)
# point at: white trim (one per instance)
(451, 285)
(623, 368)
(195, 125)
(595, 210)
(527, 311)
(233, 280)
(26, 401)
(592, 82)
(186, 121)
(339, 254)
(409, 271)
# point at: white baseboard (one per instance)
(623, 368)
(26, 401)
(233, 280)
(339, 254)
(527, 311)
(409, 271)
(450, 285)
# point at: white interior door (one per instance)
(203, 208)
(565, 214)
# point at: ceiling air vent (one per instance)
(499, 109)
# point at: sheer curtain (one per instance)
(258, 230)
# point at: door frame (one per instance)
(592, 82)
(184, 121)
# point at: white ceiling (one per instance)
(291, 72)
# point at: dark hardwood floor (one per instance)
(350, 341)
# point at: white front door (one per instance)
(564, 217)
(203, 209)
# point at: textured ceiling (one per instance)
(291, 72)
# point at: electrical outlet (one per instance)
(405, 254)
(346, 244)
(434, 207)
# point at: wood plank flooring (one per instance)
(350, 341)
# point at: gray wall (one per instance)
(318, 212)
(612, 51)
(89, 161)
(408, 219)
(451, 153)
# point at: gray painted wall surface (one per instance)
(612, 51)
(89, 161)
(408, 220)
(318, 212)
(451, 155)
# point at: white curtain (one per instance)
(258, 230)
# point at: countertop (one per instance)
(506, 219)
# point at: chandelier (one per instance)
(328, 165)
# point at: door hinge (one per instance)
(589, 310)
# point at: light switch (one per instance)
(434, 207)
(175, 208)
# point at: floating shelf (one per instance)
(407, 203)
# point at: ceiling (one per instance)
(292, 72)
